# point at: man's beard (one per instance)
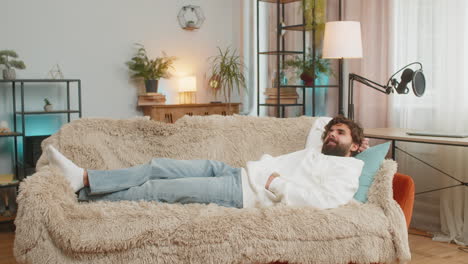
(338, 149)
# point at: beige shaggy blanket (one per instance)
(53, 227)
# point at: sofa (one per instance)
(53, 227)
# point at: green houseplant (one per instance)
(151, 70)
(227, 73)
(5, 59)
(310, 67)
(48, 106)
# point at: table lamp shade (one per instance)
(342, 40)
(188, 84)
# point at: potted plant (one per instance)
(307, 66)
(227, 73)
(190, 24)
(48, 106)
(9, 73)
(151, 70)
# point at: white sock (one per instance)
(70, 170)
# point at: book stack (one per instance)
(287, 96)
(151, 99)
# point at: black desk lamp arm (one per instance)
(354, 77)
(381, 88)
(387, 89)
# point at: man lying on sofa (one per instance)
(306, 177)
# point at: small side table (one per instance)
(169, 113)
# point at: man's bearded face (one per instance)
(339, 141)
(333, 147)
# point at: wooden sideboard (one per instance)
(169, 113)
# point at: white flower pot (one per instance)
(9, 74)
(48, 108)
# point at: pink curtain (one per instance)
(370, 106)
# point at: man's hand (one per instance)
(270, 180)
(364, 145)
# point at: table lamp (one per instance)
(342, 40)
(188, 90)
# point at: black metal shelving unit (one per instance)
(280, 54)
(20, 112)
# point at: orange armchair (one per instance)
(403, 193)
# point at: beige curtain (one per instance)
(370, 106)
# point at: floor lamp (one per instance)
(342, 40)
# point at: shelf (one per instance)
(39, 80)
(281, 52)
(5, 219)
(300, 27)
(292, 51)
(281, 1)
(47, 112)
(11, 134)
(280, 104)
(19, 112)
(9, 185)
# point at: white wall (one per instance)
(91, 40)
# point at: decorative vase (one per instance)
(151, 86)
(307, 78)
(48, 108)
(4, 127)
(9, 74)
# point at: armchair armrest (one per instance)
(403, 193)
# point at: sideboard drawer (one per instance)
(170, 113)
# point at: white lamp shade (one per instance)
(342, 40)
(188, 84)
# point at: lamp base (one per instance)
(187, 97)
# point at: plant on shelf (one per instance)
(5, 59)
(306, 67)
(151, 70)
(48, 106)
(227, 73)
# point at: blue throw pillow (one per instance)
(372, 158)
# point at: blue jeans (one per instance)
(169, 181)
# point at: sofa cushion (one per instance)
(373, 158)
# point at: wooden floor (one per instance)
(423, 249)
(7, 236)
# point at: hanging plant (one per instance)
(314, 12)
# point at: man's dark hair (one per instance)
(357, 133)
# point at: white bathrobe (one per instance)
(307, 177)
